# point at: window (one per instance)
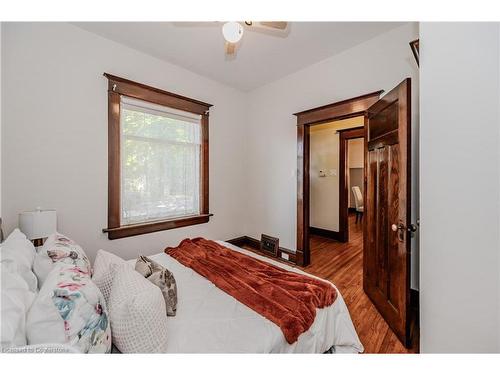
(160, 162)
(157, 160)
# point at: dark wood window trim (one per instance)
(116, 88)
(336, 111)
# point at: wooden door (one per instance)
(386, 259)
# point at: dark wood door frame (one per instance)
(336, 111)
(345, 136)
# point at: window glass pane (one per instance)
(149, 125)
(160, 166)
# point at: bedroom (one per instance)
(55, 117)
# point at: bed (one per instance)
(207, 320)
(210, 321)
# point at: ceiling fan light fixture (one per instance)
(232, 31)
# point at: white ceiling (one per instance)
(262, 56)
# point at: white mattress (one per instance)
(210, 321)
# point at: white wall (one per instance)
(460, 184)
(55, 121)
(271, 139)
(324, 156)
(356, 153)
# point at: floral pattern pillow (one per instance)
(81, 305)
(59, 249)
(70, 309)
(63, 249)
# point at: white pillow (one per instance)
(25, 250)
(42, 266)
(16, 299)
(104, 271)
(70, 309)
(20, 269)
(19, 253)
(137, 312)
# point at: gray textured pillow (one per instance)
(162, 278)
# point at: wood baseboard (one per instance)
(238, 241)
(254, 245)
(326, 233)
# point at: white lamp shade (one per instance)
(232, 31)
(38, 224)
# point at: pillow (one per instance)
(24, 247)
(58, 248)
(104, 270)
(16, 299)
(70, 309)
(42, 266)
(19, 252)
(162, 278)
(137, 312)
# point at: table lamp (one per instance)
(38, 225)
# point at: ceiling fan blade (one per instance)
(275, 24)
(230, 48)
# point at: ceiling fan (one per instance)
(233, 31)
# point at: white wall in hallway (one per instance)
(324, 171)
(324, 187)
(356, 153)
(460, 187)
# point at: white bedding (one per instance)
(210, 321)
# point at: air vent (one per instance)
(269, 244)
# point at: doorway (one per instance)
(306, 120)
(387, 185)
(335, 167)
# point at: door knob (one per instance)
(410, 228)
(395, 227)
(400, 229)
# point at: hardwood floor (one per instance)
(342, 263)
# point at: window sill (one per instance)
(155, 226)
